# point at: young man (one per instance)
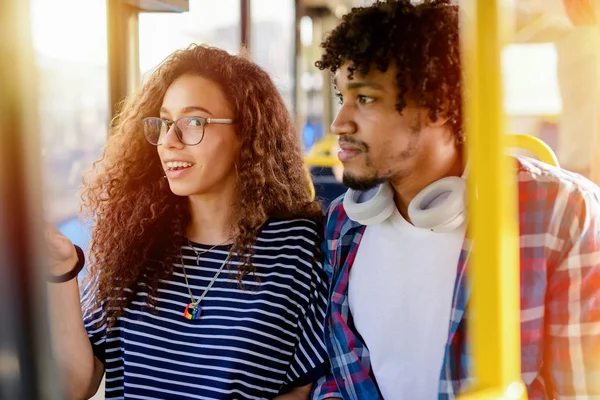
(397, 248)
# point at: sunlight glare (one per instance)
(72, 30)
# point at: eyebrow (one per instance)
(355, 85)
(189, 109)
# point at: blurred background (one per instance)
(549, 67)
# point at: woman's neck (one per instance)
(211, 220)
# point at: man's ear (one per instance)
(439, 118)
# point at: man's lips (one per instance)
(348, 151)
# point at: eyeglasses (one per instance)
(189, 130)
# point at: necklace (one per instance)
(205, 251)
(193, 310)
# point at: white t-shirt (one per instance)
(400, 295)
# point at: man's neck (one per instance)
(409, 186)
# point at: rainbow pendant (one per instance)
(192, 311)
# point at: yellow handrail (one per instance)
(493, 270)
(311, 187)
(321, 161)
(535, 145)
(319, 156)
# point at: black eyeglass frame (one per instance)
(169, 123)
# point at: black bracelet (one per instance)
(72, 273)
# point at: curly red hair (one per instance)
(139, 224)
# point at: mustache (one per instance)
(353, 142)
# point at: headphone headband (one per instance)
(440, 207)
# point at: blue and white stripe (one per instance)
(250, 343)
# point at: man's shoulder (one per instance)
(335, 216)
(336, 208)
(548, 189)
(535, 175)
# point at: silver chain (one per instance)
(196, 302)
(205, 251)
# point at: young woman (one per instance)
(206, 280)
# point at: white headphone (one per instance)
(440, 207)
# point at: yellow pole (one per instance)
(595, 163)
(494, 264)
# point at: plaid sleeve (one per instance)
(325, 388)
(572, 345)
(332, 222)
(581, 12)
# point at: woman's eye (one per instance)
(194, 122)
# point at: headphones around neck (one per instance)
(440, 207)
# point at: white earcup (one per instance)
(440, 207)
(372, 210)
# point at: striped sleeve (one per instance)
(94, 321)
(572, 355)
(310, 358)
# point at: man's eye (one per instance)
(362, 99)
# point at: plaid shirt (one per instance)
(560, 296)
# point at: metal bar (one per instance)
(160, 5)
(297, 52)
(123, 51)
(245, 26)
(494, 328)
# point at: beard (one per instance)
(373, 176)
(362, 183)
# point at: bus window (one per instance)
(212, 22)
(272, 43)
(71, 59)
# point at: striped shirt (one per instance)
(250, 343)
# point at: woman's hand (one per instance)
(62, 256)
(299, 393)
